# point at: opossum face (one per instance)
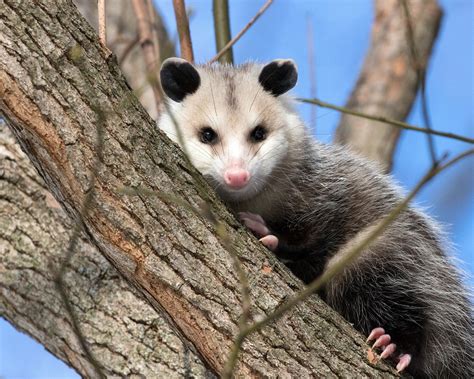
(234, 123)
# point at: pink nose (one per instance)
(236, 177)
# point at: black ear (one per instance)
(179, 78)
(279, 76)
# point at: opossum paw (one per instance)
(383, 341)
(255, 223)
(258, 227)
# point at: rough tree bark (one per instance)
(129, 335)
(56, 83)
(33, 228)
(388, 83)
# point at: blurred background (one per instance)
(341, 35)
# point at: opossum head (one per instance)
(235, 123)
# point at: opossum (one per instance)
(310, 202)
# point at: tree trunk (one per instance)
(388, 82)
(58, 88)
(128, 335)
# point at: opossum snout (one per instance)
(236, 177)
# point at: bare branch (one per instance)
(220, 9)
(182, 23)
(102, 24)
(242, 32)
(398, 124)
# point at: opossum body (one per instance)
(311, 202)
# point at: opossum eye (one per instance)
(258, 134)
(207, 136)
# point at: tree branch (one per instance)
(171, 256)
(182, 24)
(220, 9)
(102, 24)
(125, 333)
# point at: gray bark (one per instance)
(127, 334)
(388, 84)
(56, 84)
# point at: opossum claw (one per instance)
(375, 333)
(404, 361)
(382, 341)
(388, 351)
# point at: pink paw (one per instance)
(258, 227)
(382, 341)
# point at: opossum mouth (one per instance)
(233, 194)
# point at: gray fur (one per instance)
(317, 200)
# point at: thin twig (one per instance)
(242, 32)
(182, 24)
(421, 79)
(335, 269)
(220, 9)
(399, 124)
(102, 24)
(150, 54)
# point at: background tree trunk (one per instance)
(58, 86)
(388, 82)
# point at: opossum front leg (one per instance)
(383, 341)
(258, 226)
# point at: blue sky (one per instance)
(341, 36)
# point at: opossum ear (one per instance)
(179, 78)
(279, 76)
